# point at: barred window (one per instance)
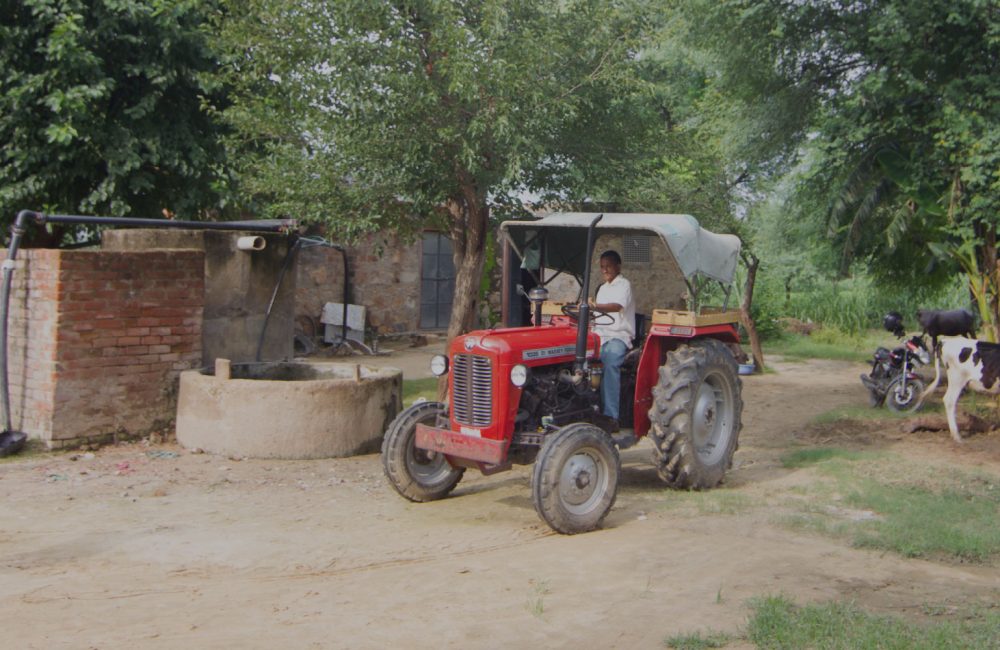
(635, 250)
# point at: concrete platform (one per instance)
(288, 409)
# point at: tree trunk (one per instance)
(752, 262)
(986, 258)
(469, 228)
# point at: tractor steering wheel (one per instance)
(573, 311)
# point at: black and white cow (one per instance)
(968, 362)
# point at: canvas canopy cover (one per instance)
(561, 241)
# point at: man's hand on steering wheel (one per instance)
(573, 311)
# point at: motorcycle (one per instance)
(892, 380)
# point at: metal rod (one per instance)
(20, 226)
(584, 320)
(272, 225)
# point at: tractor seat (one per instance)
(640, 331)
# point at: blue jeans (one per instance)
(612, 355)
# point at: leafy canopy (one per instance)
(367, 113)
(895, 101)
(107, 107)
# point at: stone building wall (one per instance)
(319, 280)
(385, 278)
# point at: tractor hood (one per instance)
(561, 239)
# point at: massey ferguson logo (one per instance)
(546, 353)
(470, 343)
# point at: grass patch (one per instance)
(536, 598)
(776, 622)
(715, 502)
(914, 510)
(920, 522)
(831, 343)
(414, 389)
(698, 641)
(869, 414)
(812, 456)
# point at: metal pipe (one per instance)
(584, 318)
(20, 227)
(271, 225)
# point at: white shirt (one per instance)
(618, 291)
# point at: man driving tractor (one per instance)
(614, 297)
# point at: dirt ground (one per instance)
(153, 546)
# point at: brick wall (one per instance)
(98, 339)
(32, 335)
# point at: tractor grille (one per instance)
(472, 390)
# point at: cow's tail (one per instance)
(937, 378)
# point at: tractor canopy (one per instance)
(560, 240)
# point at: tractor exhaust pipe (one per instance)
(583, 323)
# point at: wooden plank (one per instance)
(709, 316)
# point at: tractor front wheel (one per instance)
(696, 415)
(575, 479)
(418, 474)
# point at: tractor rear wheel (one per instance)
(418, 474)
(575, 479)
(696, 415)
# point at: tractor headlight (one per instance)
(439, 365)
(519, 375)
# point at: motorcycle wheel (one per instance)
(904, 400)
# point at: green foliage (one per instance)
(108, 107)
(777, 622)
(884, 113)
(859, 303)
(390, 111)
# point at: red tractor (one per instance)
(529, 392)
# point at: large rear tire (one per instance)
(418, 474)
(697, 415)
(575, 479)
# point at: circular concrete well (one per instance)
(287, 409)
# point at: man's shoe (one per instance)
(610, 425)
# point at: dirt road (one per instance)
(156, 547)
